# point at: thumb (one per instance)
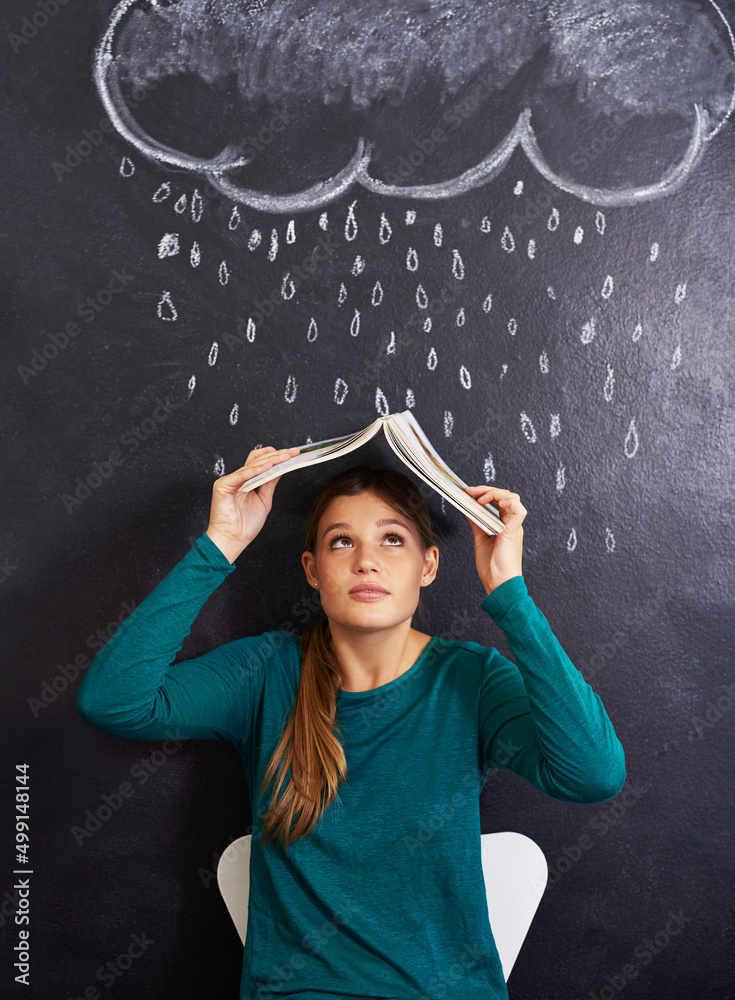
(265, 492)
(478, 533)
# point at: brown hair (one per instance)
(309, 743)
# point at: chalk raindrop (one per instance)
(166, 308)
(609, 387)
(381, 403)
(507, 241)
(385, 232)
(632, 441)
(340, 391)
(561, 478)
(291, 387)
(273, 249)
(527, 427)
(197, 205)
(351, 222)
(168, 245)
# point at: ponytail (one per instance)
(309, 745)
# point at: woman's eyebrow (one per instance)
(380, 524)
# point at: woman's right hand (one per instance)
(236, 518)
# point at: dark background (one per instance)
(643, 602)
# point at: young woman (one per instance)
(366, 742)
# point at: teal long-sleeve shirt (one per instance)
(386, 897)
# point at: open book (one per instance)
(413, 448)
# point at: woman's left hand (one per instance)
(499, 557)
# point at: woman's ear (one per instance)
(431, 565)
(309, 564)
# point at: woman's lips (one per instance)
(368, 594)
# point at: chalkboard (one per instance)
(227, 226)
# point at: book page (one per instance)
(412, 446)
(312, 454)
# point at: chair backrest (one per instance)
(514, 868)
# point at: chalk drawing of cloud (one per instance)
(386, 71)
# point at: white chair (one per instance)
(514, 868)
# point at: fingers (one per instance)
(258, 461)
(271, 455)
(512, 511)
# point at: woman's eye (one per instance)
(394, 539)
(340, 538)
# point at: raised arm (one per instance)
(132, 687)
(538, 717)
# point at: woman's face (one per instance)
(368, 563)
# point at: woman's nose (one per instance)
(365, 560)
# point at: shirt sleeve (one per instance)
(539, 717)
(132, 687)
